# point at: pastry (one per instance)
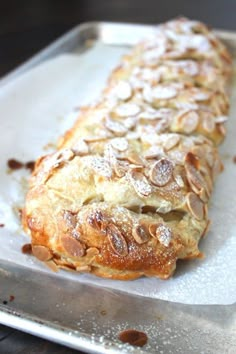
(127, 192)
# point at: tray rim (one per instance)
(33, 324)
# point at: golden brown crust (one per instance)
(127, 192)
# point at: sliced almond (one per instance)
(70, 218)
(120, 144)
(164, 92)
(115, 127)
(84, 268)
(52, 265)
(221, 119)
(140, 234)
(195, 179)
(195, 205)
(179, 181)
(117, 240)
(43, 253)
(127, 109)
(152, 229)
(92, 252)
(81, 148)
(161, 172)
(154, 152)
(120, 169)
(123, 90)
(171, 142)
(135, 159)
(208, 123)
(140, 183)
(94, 138)
(188, 121)
(101, 166)
(72, 246)
(164, 234)
(192, 159)
(97, 220)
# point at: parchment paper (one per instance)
(34, 111)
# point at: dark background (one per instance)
(26, 26)
(29, 25)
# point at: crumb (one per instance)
(103, 312)
(133, 337)
(30, 165)
(26, 249)
(2, 225)
(5, 302)
(11, 298)
(14, 164)
(234, 159)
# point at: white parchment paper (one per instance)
(33, 108)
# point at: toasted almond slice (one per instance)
(120, 144)
(199, 95)
(135, 159)
(208, 123)
(101, 166)
(92, 252)
(72, 246)
(97, 220)
(188, 121)
(161, 172)
(80, 148)
(195, 178)
(52, 265)
(94, 138)
(192, 159)
(165, 207)
(171, 142)
(70, 218)
(154, 152)
(195, 205)
(140, 234)
(140, 183)
(164, 234)
(152, 229)
(120, 169)
(221, 119)
(115, 127)
(127, 109)
(117, 240)
(83, 268)
(164, 92)
(179, 181)
(123, 90)
(43, 253)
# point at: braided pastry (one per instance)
(127, 192)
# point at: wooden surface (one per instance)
(27, 26)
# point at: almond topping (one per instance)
(72, 246)
(127, 109)
(221, 119)
(140, 183)
(52, 265)
(135, 159)
(115, 127)
(195, 206)
(101, 166)
(164, 92)
(70, 218)
(120, 144)
(140, 234)
(80, 148)
(188, 121)
(96, 220)
(171, 142)
(83, 268)
(123, 90)
(192, 160)
(161, 172)
(208, 123)
(117, 240)
(195, 178)
(164, 234)
(43, 253)
(92, 252)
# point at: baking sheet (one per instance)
(22, 96)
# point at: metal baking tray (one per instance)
(87, 317)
